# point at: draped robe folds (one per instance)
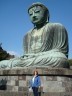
(47, 48)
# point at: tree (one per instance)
(4, 55)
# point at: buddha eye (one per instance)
(30, 14)
(37, 11)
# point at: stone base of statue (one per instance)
(54, 81)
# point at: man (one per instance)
(45, 45)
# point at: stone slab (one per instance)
(7, 93)
(41, 70)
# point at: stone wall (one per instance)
(54, 81)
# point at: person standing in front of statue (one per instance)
(35, 83)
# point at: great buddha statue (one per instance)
(46, 45)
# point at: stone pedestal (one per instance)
(54, 81)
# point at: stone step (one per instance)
(8, 93)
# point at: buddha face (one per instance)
(36, 14)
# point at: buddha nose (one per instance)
(34, 15)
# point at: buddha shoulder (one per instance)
(53, 25)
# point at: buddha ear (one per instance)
(47, 19)
(48, 16)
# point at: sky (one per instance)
(15, 21)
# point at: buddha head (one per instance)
(38, 13)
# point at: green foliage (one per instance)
(4, 55)
(70, 62)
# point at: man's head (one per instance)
(38, 13)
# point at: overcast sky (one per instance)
(15, 22)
